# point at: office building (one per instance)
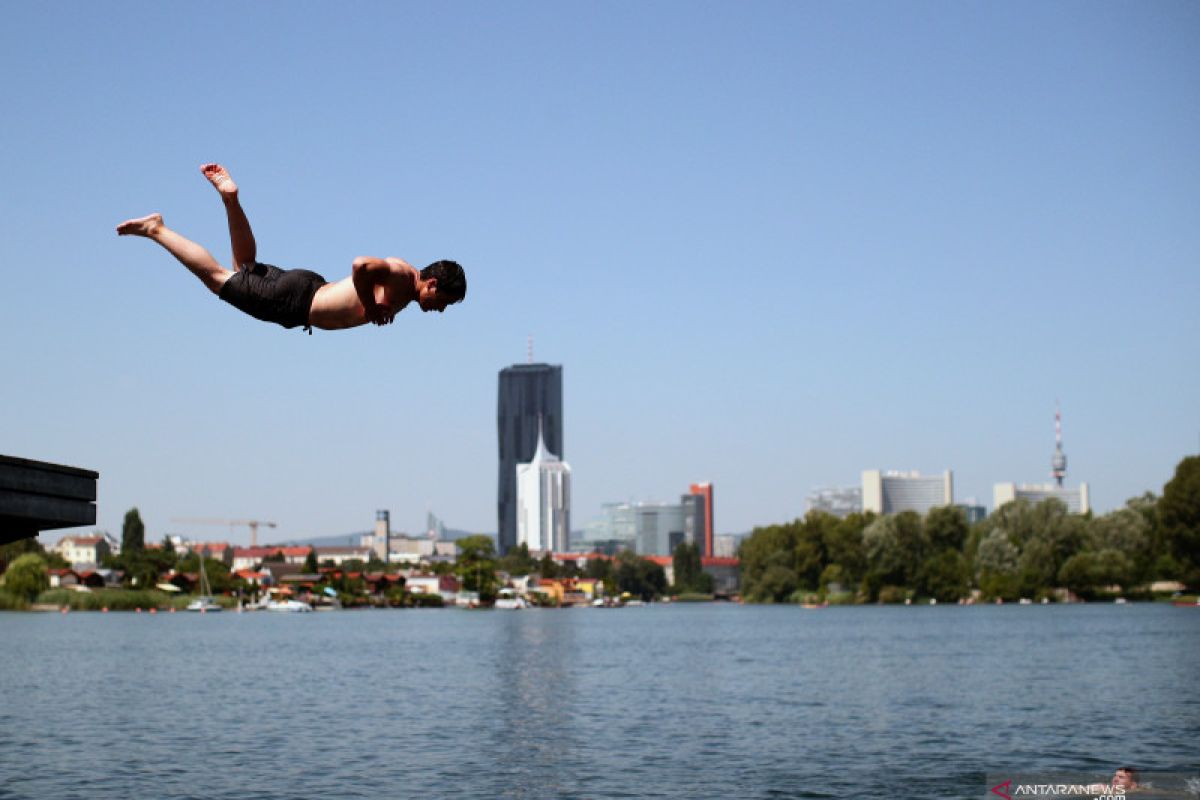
(700, 531)
(972, 511)
(725, 546)
(660, 528)
(544, 502)
(1076, 500)
(838, 501)
(893, 492)
(529, 394)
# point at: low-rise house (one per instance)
(184, 581)
(218, 551)
(380, 582)
(551, 589)
(409, 549)
(447, 586)
(276, 571)
(112, 577)
(338, 555)
(253, 577)
(82, 550)
(92, 578)
(301, 582)
(61, 578)
(252, 557)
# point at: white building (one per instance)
(380, 541)
(82, 550)
(838, 501)
(1076, 500)
(893, 492)
(725, 545)
(445, 585)
(544, 501)
(340, 555)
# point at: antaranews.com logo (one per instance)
(1010, 790)
(1124, 782)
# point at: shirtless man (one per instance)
(375, 290)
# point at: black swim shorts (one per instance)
(282, 296)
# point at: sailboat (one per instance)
(204, 603)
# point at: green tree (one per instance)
(685, 563)
(777, 585)
(133, 533)
(1020, 549)
(476, 566)
(547, 567)
(26, 576)
(996, 565)
(639, 576)
(1089, 572)
(11, 551)
(774, 545)
(1036, 568)
(1179, 516)
(946, 528)
(518, 561)
(1128, 532)
(945, 576)
(895, 546)
(809, 548)
(689, 570)
(310, 562)
(602, 569)
(843, 543)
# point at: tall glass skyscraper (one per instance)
(529, 393)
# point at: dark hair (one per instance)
(451, 280)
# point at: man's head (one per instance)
(1126, 777)
(443, 283)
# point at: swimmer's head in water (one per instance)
(449, 285)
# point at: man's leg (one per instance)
(191, 255)
(245, 251)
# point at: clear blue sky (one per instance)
(772, 245)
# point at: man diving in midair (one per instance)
(375, 291)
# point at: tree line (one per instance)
(1022, 550)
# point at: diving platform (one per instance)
(36, 496)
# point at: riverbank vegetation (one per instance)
(1020, 551)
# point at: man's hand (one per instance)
(377, 314)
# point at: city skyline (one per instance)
(858, 237)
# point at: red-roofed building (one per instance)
(252, 557)
(61, 578)
(82, 550)
(220, 551)
(91, 578)
(445, 585)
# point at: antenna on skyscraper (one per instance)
(530, 352)
(1058, 463)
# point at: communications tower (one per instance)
(1058, 463)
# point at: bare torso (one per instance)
(336, 305)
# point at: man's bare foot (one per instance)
(142, 226)
(218, 176)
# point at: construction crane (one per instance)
(251, 523)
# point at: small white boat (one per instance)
(508, 599)
(204, 603)
(294, 606)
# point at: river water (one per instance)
(672, 701)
